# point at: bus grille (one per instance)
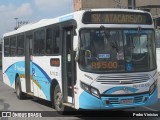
(138, 99)
(123, 79)
(114, 101)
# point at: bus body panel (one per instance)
(43, 73)
(87, 101)
(138, 92)
(13, 66)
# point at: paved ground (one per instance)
(9, 102)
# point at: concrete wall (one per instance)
(147, 2)
(88, 4)
(154, 11)
(77, 5)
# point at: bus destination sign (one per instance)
(116, 18)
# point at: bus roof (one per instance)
(46, 22)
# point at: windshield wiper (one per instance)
(115, 46)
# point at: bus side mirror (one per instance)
(75, 32)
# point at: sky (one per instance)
(31, 11)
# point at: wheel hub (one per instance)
(59, 100)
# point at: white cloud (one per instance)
(9, 12)
(49, 4)
(44, 4)
(54, 5)
(23, 10)
(8, 7)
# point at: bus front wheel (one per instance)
(58, 100)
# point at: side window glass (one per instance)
(56, 41)
(39, 42)
(13, 46)
(6, 47)
(49, 41)
(20, 45)
(52, 41)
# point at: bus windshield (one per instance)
(117, 50)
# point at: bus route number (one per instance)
(104, 65)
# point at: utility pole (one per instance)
(131, 4)
(20, 23)
(16, 23)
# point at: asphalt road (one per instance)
(9, 102)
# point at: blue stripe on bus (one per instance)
(119, 88)
(43, 79)
(44, 73)
(65, 18)
(8, 68)
(13, 69)
(88, 101)
(20, 65)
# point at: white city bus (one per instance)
(91, 59)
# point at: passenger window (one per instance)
(20, 45)
(13, 46)
(6, 47)
(52, 41)
(56, 41)
(49, 42)
(39, 42)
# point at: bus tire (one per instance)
(19, 93)
(58, 100)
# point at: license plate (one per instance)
(126, 101)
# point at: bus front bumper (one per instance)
(88, 101)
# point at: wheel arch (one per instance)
(53, 85)
(17, 75)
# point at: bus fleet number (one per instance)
(104, 65)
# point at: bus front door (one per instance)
(68, 66)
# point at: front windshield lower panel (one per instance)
(117, 50)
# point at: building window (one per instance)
(39, 42)
(13, 46)
(20, 45)
(6, 47)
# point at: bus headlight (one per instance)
(152, 87)
(85, 87)
(91, 90)
(95, 92)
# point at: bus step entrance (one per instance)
(30, 93)
(69, 105)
